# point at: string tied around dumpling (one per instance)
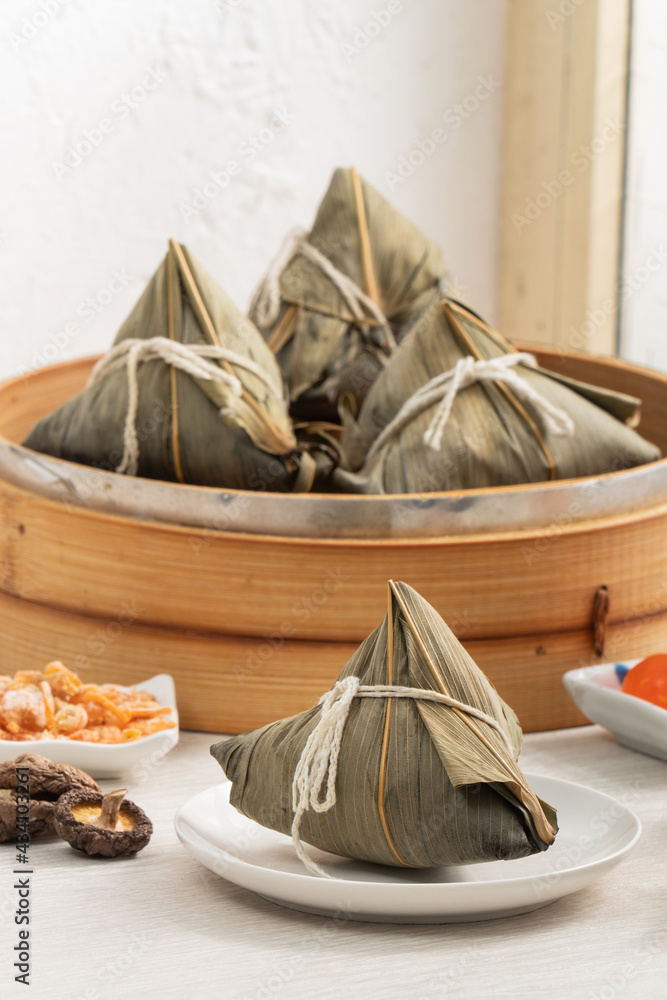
(197, 360)
(442, 390)
(317, 768)
(265, 306)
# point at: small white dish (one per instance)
(635, 723)
(101, 760)
(241, 851)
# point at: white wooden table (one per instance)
(161, 926)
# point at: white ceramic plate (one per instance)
(587, 846)
(635, 723)
(109, 760)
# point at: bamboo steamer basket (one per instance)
(254, 625)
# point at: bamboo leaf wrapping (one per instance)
(417, 784)
(182, 435)
(319, 342)
(490, 439)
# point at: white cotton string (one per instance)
(319, 760)
(266, 302)
(444, 388)
(318, 764)
(265, 305)
(190, 358)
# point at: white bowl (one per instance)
(109, 760)
(635, 723)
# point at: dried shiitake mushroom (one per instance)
(102, 824)
(39, 816)
(47, 781)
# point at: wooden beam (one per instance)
(562, 188)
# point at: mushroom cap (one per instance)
(93, 839)
(40, 816)
(47, 778)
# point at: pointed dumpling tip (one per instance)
(221, 752)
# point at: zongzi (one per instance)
(409, 760)
(335, 302)
(189, 392)
(458, 408)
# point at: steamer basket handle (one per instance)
(599, 619)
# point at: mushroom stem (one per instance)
(111, 803)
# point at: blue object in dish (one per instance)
(621, 670)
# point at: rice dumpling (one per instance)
(458, 408)
(335, 302)
(410, 760)
(189, 393)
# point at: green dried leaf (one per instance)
(419, 784)
(189, 429)
(316, 336)
(490, 438)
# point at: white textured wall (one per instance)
(78, 240)
(644, 277)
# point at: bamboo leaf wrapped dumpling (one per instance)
(410, 760)
(189, 392)
(336, 301)
(458, 408)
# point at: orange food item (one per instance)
(146, 727)
(648, 680)
(92, 693)
(70, 718)
(63, 681)
(22, 710)
(56, 705)
(99, 734)
(49, 703)
(26, 677)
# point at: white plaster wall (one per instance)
(78, 241)
(644, 269)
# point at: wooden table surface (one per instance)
(161, 926)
